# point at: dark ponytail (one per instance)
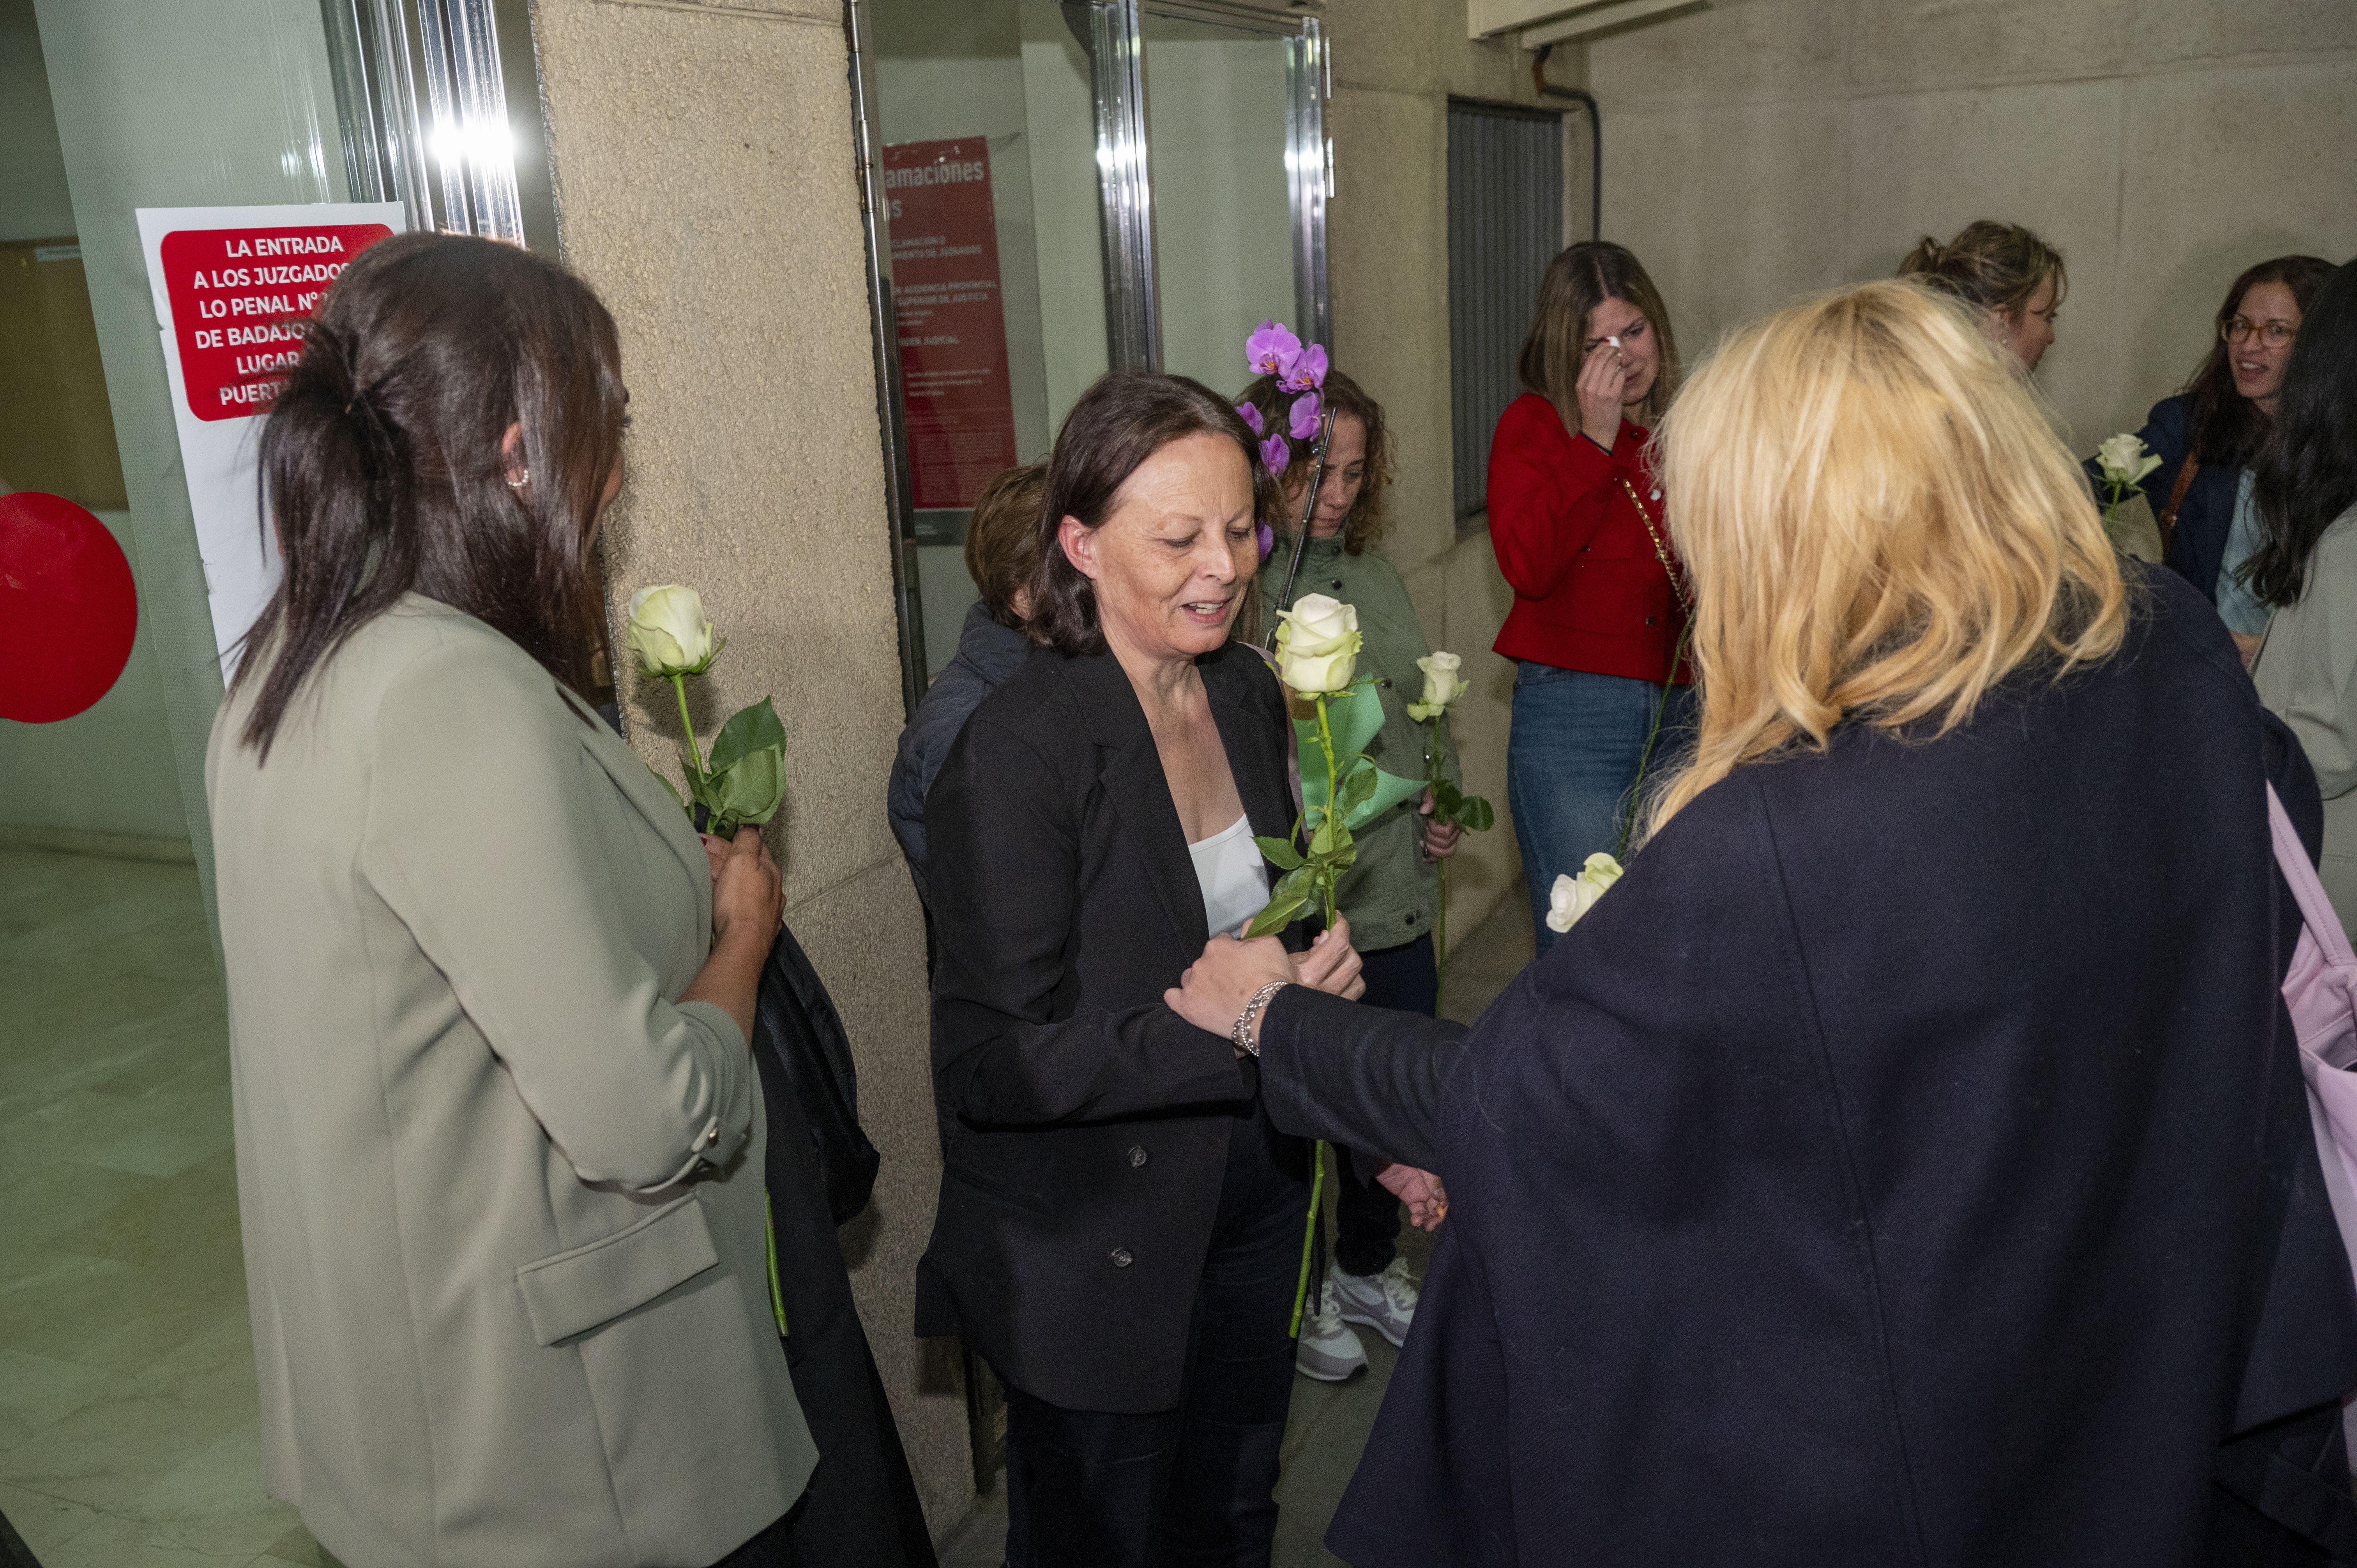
(2307, 471)
(382, 470)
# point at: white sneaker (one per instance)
(1328, 1350)
(1384, 1302)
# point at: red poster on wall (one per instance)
(952, 329)
(239, 297)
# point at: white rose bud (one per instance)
(1317, 646)
(1442, 685)
(2124, 459)
(668, 631)
(1572, 897)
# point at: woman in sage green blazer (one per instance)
(499, 1135)
(2305, 487)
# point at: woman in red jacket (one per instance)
(1600, 602)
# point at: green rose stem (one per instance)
(686, 725)
(1646, 757)
(1318, 1151)
(1440, 920)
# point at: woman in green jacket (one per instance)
(1392, 894)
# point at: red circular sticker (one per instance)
(69, 608)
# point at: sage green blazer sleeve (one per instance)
(500, 1191)
(481, 841)
(2306, 675)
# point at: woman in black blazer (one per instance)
(1120, 1226)
(1906, 1163)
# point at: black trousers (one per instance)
(1195, 1485)
(1366, 1215)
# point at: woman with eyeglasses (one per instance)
(2207, 437)
(2306, 488)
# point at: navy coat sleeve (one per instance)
(1366, 1077)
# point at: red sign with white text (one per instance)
(239, 297)
(953, 328)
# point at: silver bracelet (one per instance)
(1243, 1033)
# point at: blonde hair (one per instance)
(1881, 521)
(1577, 282)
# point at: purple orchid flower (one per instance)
(1250, 414)
(1275, 453)
(1306, 409)
(1307, 370)
(1267, 541)
(1272, 350)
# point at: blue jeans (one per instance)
(1570, 761)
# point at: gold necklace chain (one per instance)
(1661, 551)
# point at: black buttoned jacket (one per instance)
(1905, 1165)
(1084, 1125)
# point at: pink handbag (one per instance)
(2321, 992)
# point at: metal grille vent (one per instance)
(1506, 224)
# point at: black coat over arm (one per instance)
(1084, 1125)
(1905, 1164)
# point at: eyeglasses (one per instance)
(2273, 334)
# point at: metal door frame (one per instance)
(1309, 151)
(441, 111)
(1112, 33)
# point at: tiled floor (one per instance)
(1330, 1421)
(127, 1409)
(127, 1425)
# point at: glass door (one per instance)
(984, 147)
(1236, 154)
(1060, 188)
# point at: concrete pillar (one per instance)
(1396, 63)
(703, 162)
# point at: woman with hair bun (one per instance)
(2014, 278)
(1907, 1160)
(499, 1139)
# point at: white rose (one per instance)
(1317, 646)
(2124, 459)
(1572, 897)
(668, 631)
(1442, 685)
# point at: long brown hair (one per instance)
(382, 466)
(1364, 525)
(2227, 427)
(1577, 282)
(2306, 477)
